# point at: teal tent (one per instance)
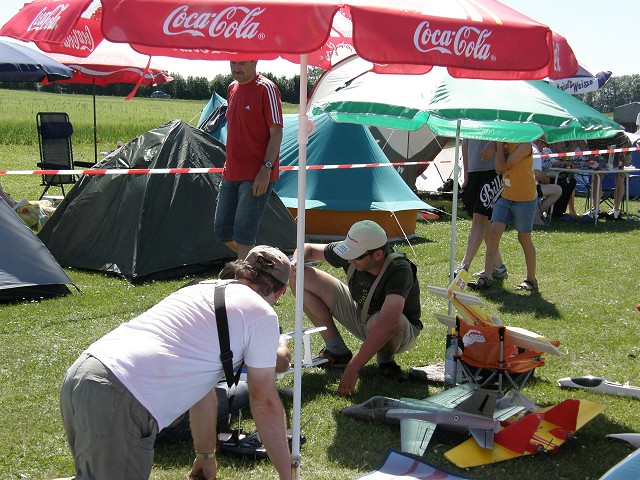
(338, 197)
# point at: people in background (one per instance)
(143, 375)
(254, 134)
(380, 305)
(620, 160)
(481, 187)
(517, 205)
(548, 193)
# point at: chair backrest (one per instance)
(56, 150)
(54, 137)
(485, 347)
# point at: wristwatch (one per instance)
(268, 164)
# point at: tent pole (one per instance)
(303, 138)
(95, 128)
(454, 209)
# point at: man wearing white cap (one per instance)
(143, 375)
(380, 305)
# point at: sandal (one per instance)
(528, 285)
(482, 283)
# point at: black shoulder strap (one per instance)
(226, 355)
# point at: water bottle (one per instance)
(450, 366)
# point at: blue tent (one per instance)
(338, 197)
(212, 119)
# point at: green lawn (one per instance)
(588, 294)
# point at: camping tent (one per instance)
(212, 119)
(338, 197)
(153, 226)
(627, 115)
(27, 269)
(409, 146)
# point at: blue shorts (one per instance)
(239, 212)
(519, 213)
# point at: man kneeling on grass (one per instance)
(380, 305)
(143, 375)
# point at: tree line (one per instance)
(618, 90)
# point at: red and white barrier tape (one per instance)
(175, 171)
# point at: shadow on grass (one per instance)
(520, 302)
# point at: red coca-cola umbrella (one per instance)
(479, 39)
(111, 63)
(482, 39)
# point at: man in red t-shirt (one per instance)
(254, 134)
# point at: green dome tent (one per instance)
(145, 226)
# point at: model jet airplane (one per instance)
(541, 431)
(464, 407)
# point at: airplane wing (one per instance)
(520, 337)
(415, 435)
(545, 429)
(467, 305)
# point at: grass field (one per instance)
(589, 289)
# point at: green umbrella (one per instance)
(502, 110)
(505, 110)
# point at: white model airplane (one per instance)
(466, 406)
(307, 357)
(600, 385)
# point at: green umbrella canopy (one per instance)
(509, 110)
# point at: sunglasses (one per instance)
(365, 254)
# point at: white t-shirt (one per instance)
(169, 357)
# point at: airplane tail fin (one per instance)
(482, 402)
(517, 436)
(484, 437)
(564, 415)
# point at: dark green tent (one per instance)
(147, 226)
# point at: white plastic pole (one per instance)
(303, 137)
(454, 209)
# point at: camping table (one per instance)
(627, 171)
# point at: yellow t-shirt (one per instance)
(519, 181)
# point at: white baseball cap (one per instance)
(363, 236)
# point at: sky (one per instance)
(601, 34)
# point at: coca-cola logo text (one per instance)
(469, 42)
(80, 40)
(237, 22)
(45, 20)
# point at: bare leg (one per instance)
(318, 298)
(529, 253)
(243, 250)
(493, 244)
(480, 226)
(619, 192)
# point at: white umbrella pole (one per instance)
(95, 126)
(454, 209)
(303, 137)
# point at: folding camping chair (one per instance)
(490, 361)
(56, 151)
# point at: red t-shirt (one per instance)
(254, 107)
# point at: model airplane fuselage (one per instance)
(600, 385)
(464, 407)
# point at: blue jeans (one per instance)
(520, 213)
(239, 212)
